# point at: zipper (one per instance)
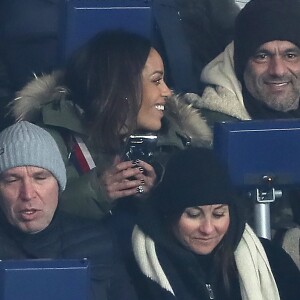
(210, 291)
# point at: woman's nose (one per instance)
(165, 91)
(206, 226)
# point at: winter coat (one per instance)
(71, 238)
(42, 101)
(225, 98)
(222, 98)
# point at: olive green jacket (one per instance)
(46, 103)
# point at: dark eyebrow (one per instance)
(199, 207)
(157, 72)
(292, 49)
(221, 206)
(266, 51)
(195, 207)
(262, 50)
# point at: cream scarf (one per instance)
(255, 275)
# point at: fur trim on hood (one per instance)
(37, 93)
(44, 90)
(189, 119)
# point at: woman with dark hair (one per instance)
(191, 240)
(105, 80)
(111, 87)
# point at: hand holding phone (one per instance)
(140, 146)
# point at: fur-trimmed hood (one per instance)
(44, 91)
(35, 95)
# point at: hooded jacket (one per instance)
(222, 99)
(45, 102)
(226, 98)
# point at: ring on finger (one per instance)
(140, 189)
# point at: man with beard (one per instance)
(258, 77)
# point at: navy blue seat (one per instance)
(263, 159)
(45, 279)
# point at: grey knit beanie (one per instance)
(25, 144)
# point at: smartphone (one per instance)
(140, 146)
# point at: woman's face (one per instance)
(154, 93)
(201, 228)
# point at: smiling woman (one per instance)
(155, 92)
(191, 240)
(111, 88)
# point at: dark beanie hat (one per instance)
(193, 177)
(262, 21)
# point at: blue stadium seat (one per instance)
(262, 158)
(44, 279)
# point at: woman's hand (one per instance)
(128, 178)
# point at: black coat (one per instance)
(69, 237)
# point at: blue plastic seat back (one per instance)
(254, 149)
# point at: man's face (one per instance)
(28, 197)
(272, 75)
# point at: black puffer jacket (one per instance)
(69, 237)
